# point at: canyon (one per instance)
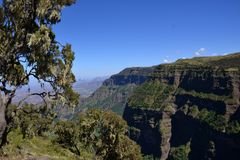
(189, 108)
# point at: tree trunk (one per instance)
(3, 122)
(4, 138)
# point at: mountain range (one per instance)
(85, 87)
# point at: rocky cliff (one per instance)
(115, 91)
(188, 110)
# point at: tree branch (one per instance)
(42, 95)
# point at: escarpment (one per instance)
(184, 110)
(115, 91)
(189, 108)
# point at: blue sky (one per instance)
(110, 35)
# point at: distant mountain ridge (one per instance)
(85, 87)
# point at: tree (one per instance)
(68, 135)
(102, 133)
(32, 120)
(28, 49)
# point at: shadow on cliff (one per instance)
(147, 125)
(205, 143)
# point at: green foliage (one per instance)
(218, 122)
(180, 153)
(125, 149)
(211, 96)
(214, 120)
(101, 133)
(228, 61)
(193, 111)
(28, 48)
(68, 134)
(24, 148)
(111, 97)
(151, 94)
(31, 120)
(233, 127)
(148, 157)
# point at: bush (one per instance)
(32, 120)
(193, 111)
(68, 135)
(180, 153)
(233, 127)
(101, 133)
(218, 122)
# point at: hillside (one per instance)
(114, 92)
(189, 110)
(227, 61)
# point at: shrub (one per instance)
(218, 122)
(180, 153)
(32, 120)
(101, 133)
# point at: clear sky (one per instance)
(110, 35)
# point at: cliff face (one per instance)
(115, 91)
(189, 109)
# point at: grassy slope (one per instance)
(37, 147)
(227, 61)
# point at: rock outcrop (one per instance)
(190, 108)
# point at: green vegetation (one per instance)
(226, 99)
(229, 61)
(151, 95)
(211, 118)
(141, 71)
(149, 157)
(29, 48)
(214, 120)
(30, 134)
(101, 133)
(193, 111)
(180, 153)
(96, 134)
(217, 122)
(233, 127)
(32, 120)
(22, 148)
(110, 97)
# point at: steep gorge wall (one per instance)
(170, 106)
(168, 123)
(207, 87)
